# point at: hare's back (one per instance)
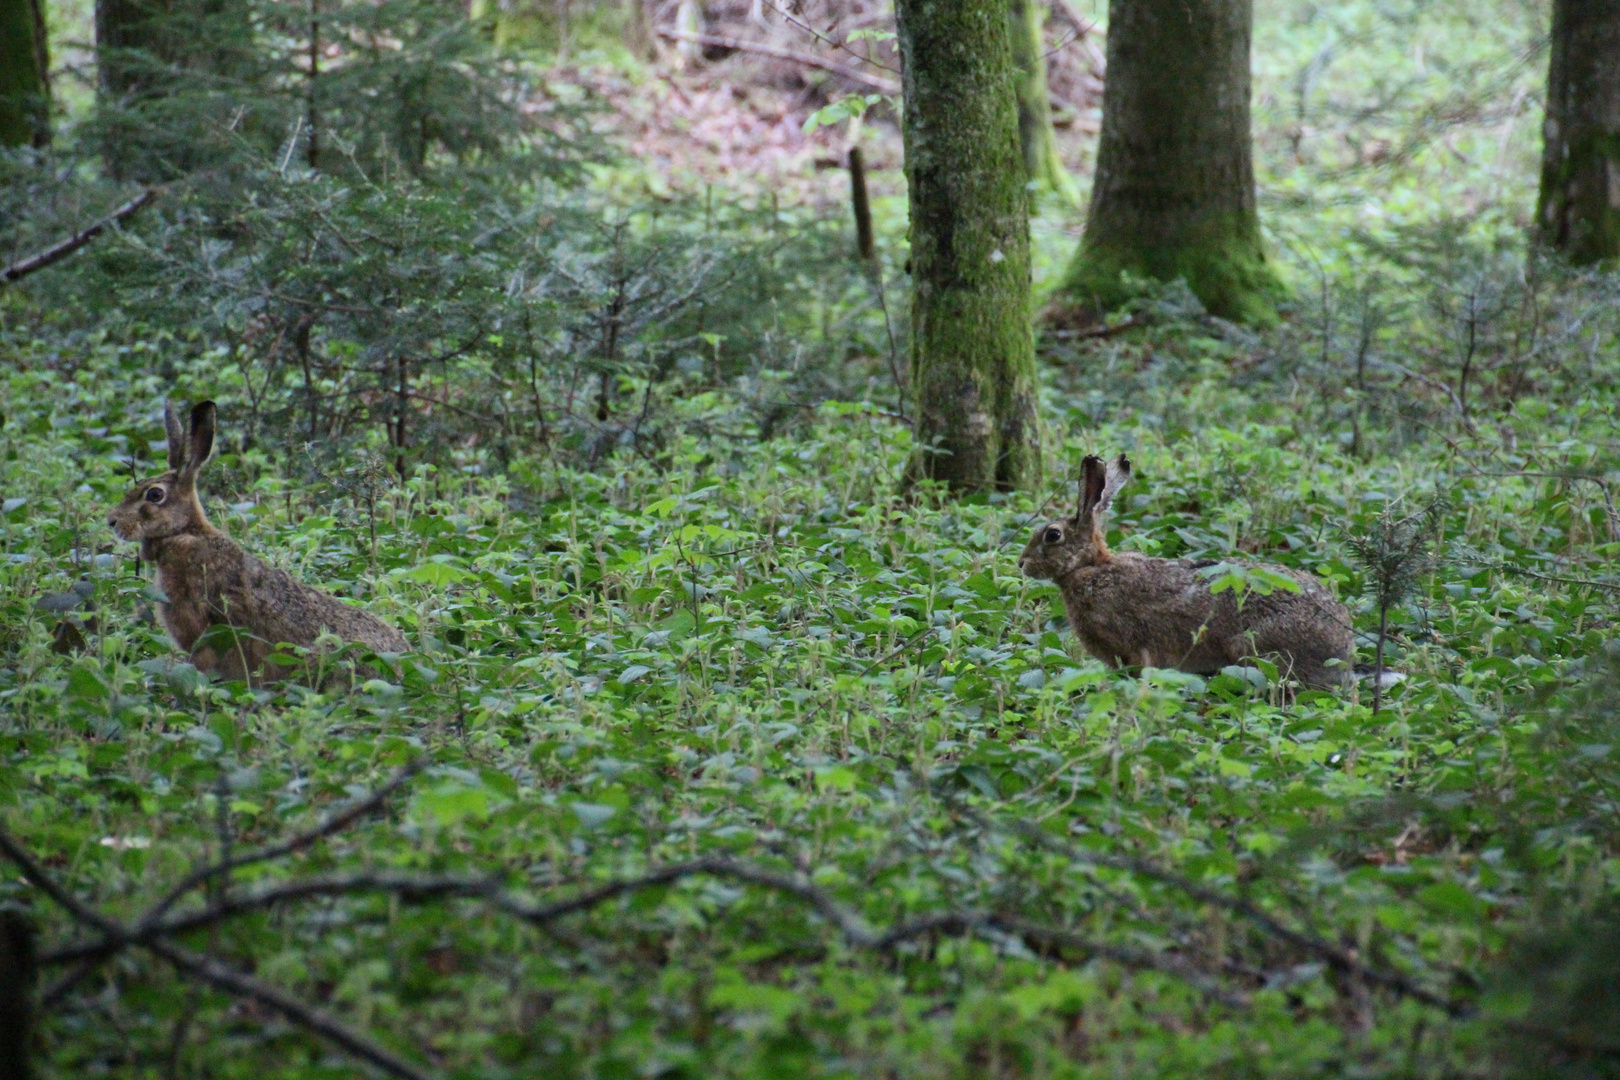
(297, 613)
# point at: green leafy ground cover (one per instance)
(930, 838)
(720, 759)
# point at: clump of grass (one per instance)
(1395, 551)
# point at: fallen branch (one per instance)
(1104, 331)
(876, 82)
(59, 251)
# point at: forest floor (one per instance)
(715, 754)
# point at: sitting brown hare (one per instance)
(210, 581)
(1127, 608)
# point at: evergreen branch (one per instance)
(332, 825)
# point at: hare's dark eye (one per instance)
(154, 494)
(1054, 535)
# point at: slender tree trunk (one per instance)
(1174, 190)
(1579, 212)
(312, 86)
(973, 359)
(125, 28)
(24, 75)
(638, 35)
(1041, 161)
(150, 51)
(135, 40)
(861, 204)
(16, 994)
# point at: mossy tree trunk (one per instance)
(1174, 190)
(1579, 211)
(24, 75)
(1035, 134)
(972, 358)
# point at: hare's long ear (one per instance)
(202, 437)
(1118, 474)
(1093, 483)
(177, 437)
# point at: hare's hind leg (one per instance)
(242, 660)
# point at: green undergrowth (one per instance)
(755, 650)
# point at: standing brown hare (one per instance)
(1127, 608)
(210, 581)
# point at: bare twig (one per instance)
(1603, 486)
(209, 970)
(409, 886)
(876, 82)
(824, 39)
(1326, 951)
(854, 928)
(36, 876)
(218, 975)
(1509, 568)
(334, 824)
(62, 249)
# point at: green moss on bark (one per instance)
(973, 359)
(1042, 163)
(1223, 264)
(1174, 190)
(24, 112)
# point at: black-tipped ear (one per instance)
(203, 417)
(177, 437)
(1118, 474)
(1093, 479)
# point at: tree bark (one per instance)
(973, 359)
(1579, 211)
(124, 29)
(1174, 190)
(151, 51)
(24, 75)
(16, 994)
(132, 50)
(1035, 134)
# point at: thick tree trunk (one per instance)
(973, 360)
(1174, 190)
(24, 75)
(1579, 212)
(1041, 161)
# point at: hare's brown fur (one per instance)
(1128, 608)
(210, 580)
